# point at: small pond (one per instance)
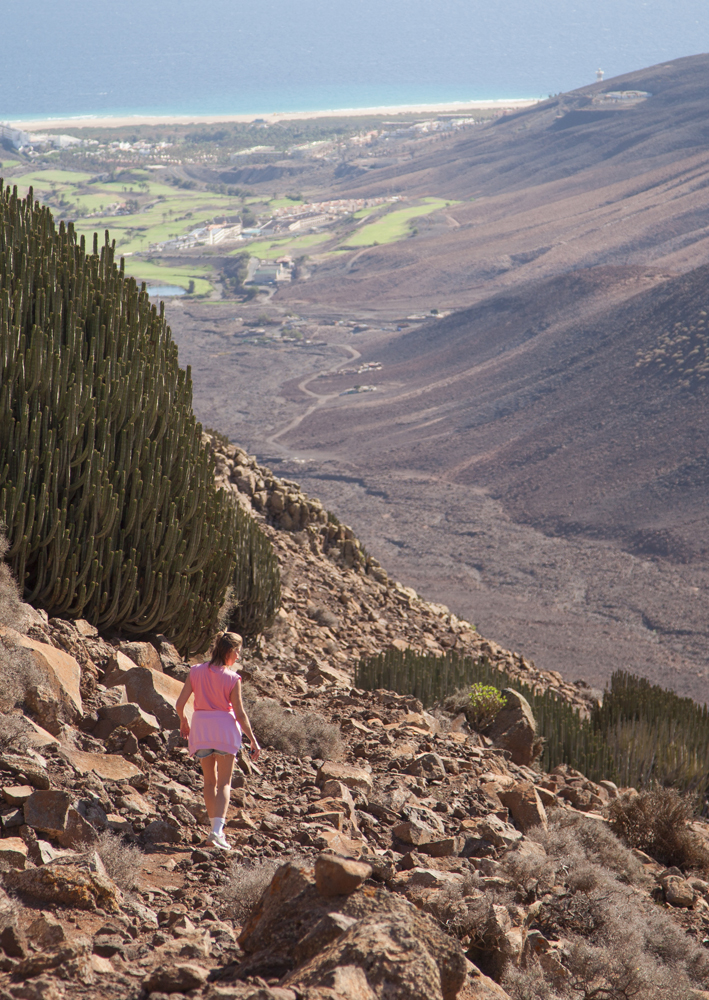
(165, 291)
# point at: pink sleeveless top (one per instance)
(214, 725)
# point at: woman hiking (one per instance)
(217, 724)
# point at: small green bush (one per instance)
(485, 702)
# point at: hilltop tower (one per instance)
(599, 75)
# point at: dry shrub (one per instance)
(571, 832)
(122, 861)
(246, 885)
(13, 733)
(617, 944)
(20, 674)
(293, 734)
(657, 823)
(11, 611)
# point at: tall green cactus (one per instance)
(256, 583)
(106, 492)
(640, 735)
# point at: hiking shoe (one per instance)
(218, 840)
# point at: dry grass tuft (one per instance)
(657, 823)
(293, 734)
(122, 861)
(615, 943)
(20, 674)
(13, 733)
(246, 885)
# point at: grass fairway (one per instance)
(394, 225)
(160, 274)
(289, 245)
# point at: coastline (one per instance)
(122, 121)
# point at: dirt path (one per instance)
(319, 399)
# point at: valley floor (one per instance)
(577, 605)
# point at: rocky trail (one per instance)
(378, 851)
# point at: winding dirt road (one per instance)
(319, 399)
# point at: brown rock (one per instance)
(323, 673)
(161, 832)
(514, 728)
(143, 654)
(46, 931)
(109, 767)
(446, 847)
(480, 987)
(392, 958)
(17, 795)
(117, 667)
(13, 941)
(525, 805)
(38, 737)
(338, 843)
(57, 698)
(353, 777)
(13, 852)
(132, 717)
(678, 892)
(176, 978)
(78, 832)
(31, 768)
(420, 826)
(329, 927)
(80, 882)
(156, 694)
(48, 811)
(547, 797)
(428, 765)
(335, 876)
(416, 959)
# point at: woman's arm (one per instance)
(185, 695)
(243, 720)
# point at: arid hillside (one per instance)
(578, 181)
(536, 458)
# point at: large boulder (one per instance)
(155, 693)
(143, 654)
(54, 690)
(514, 728)
(48, 811)
(353, 777)
(386, 947)
(79, 882)
(336, 876)
(130, 715)
(525, 806)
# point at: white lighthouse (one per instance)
(599, 75)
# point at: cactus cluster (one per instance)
(106, 493)
(641, 735)
(256, 583)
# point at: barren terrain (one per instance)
(538, 458)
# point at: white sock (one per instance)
(218, 825)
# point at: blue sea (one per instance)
(163, 57)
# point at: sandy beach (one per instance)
(95, 121)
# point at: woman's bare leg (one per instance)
(225, 767)
(210, 784)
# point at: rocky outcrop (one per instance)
(387, 948)
(55, 698)
(514, 728)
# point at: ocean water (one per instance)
(84, 57)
